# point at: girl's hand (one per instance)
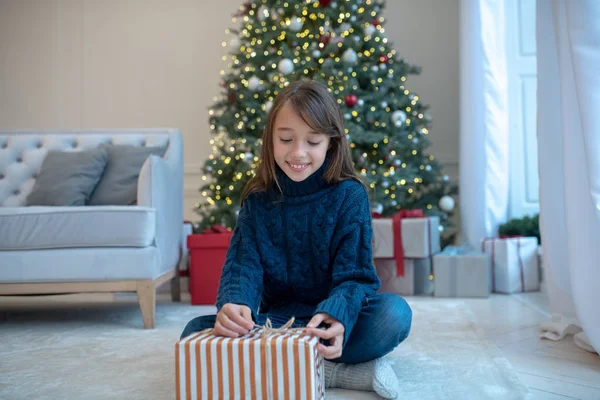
(334, 335)
(233, 320)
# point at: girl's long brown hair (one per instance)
(312, 101)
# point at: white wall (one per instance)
(149, 63)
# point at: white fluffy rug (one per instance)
(59, 348)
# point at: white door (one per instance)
(522, 84)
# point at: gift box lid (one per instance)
(209, 240)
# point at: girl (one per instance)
(302, 248)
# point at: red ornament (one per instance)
(351, 100)
(324, 3)
(376, 21)
(383, 59)
(231, 97)
(244, 10)
(324, 41)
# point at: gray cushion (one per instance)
(68, 178)
(118, 185)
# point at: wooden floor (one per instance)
(552, 370)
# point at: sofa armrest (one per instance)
(160, 186)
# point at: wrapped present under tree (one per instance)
(409, 234)
(514, 262)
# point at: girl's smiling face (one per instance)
(298, 149)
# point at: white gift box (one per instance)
(420, 237)
(514, 264)
(460, 274)
(184, 262)
(416, 279)
(184, 282)
(185, 232)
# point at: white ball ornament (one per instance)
(295, 24)
(286, 66)
(316, 54)
(254, 83)
(234, 43)
(369, 30)
(377, 207)
(345, 27)
(398, 117)
(350, 57)
(374, 68)
(268, 105)
(446, 203)
(384, 104)
(262, 14)
(361, 102)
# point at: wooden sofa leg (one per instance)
(146, 293)
(176, 288)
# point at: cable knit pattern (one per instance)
(304, 251)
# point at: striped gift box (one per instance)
(280, 366)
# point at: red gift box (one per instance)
(207, 256)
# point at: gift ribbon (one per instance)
(216, 229)
(453, 276)
(397, 229)
(493, 256)
(268, 330)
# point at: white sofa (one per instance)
(46, 250)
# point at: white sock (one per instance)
(385, 381)
(376, 375)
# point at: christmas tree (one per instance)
(343, 45)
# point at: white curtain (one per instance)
(484, 147)
(568, 130)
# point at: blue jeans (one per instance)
(383, 323)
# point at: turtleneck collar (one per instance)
(312, 184)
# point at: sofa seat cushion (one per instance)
(30, 228)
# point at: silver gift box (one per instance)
(462, 275)
(415, 237)
(416, 279)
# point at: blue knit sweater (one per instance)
(301, 252)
